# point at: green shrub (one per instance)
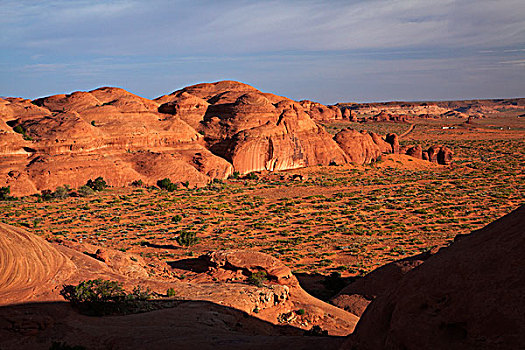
(176, 218)
(4, 193)
(300, 312)
(98, 184)
(258, 278)
(170, 292)
(137, 183)
(187, 239)
(85, 191)
(101, 297)
(19, 129)
(251, 176)
(61, 192)
(166, 184)
(235, 175)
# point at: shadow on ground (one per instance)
(184, 325)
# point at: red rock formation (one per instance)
(445, 156)
(415, 151)
(105, 132)
(356, 297)
(254, 130)
(347, 114)
(320, 112)
(384, 116)
(384, 146)
(466, 296)
(359, 147)
(393, 140)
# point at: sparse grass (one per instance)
(342, 218)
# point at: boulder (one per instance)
(384, 146)
(445, 156)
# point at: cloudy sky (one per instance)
(328, 51)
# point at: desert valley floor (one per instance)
(324, 229)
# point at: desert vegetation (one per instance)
(346, 219)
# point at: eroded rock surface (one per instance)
(467, 296)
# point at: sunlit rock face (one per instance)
(254, 130)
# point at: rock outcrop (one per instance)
(356, 297)
(320, 112)
(467, 296)
(193, 136)
(253, 130)
(438, 154)
(393, 140)
(108, 132)
(359, 147)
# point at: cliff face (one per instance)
(254, 130)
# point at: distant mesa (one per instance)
(193, 135)
(406, 111)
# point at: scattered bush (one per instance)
(251, 176)
(98, 184)
(176, 218)
(170, 292)
(166, 184)
(300, 312)
(101, 297)
(258, 278)
(187, 239)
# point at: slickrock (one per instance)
(467, 296)
(255, 131)
(108, 132)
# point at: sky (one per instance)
(327, 51)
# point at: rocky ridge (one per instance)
(192, 136)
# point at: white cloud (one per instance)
(243, 27)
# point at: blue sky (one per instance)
(328, 51)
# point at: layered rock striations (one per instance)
(253, 130)
(109, 132)
(193, 135)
